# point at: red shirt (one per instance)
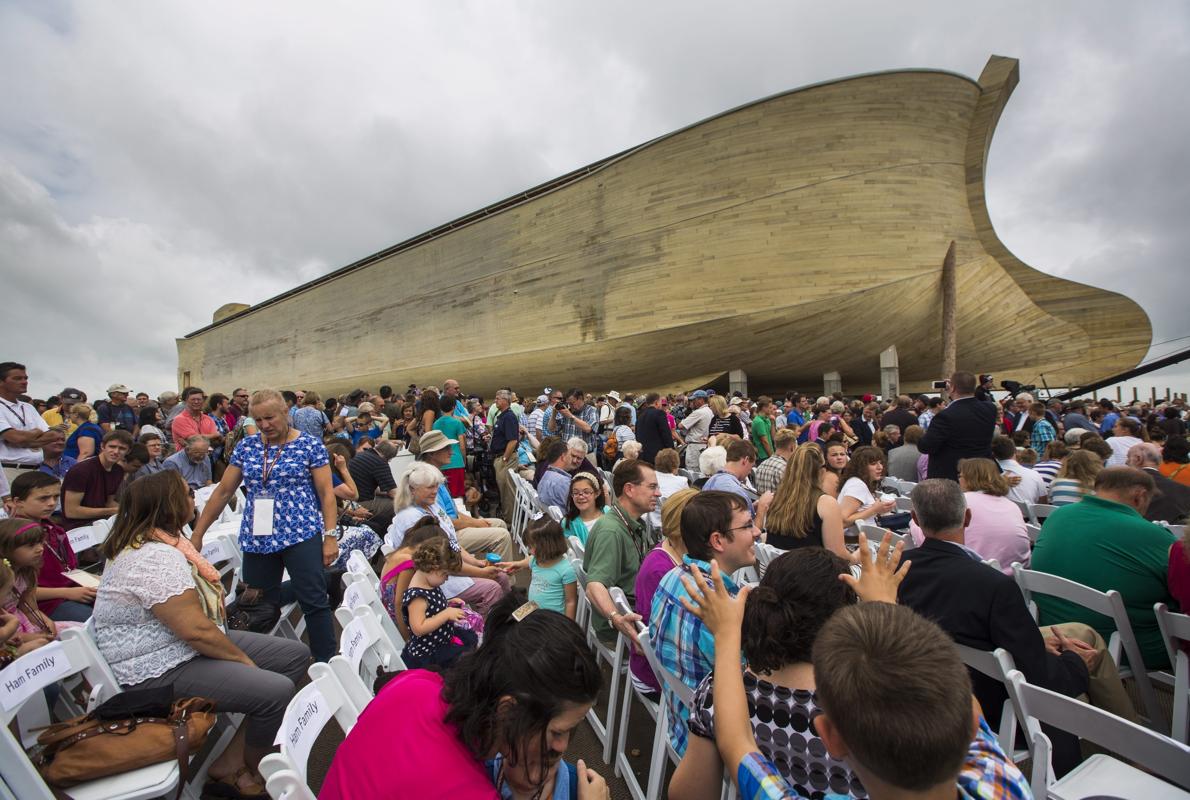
(401, 749)
(57, 559)
(184, 426)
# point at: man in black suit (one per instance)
(866, 426)
(902, 416)
(652, 428)
(1171, 501)
(964, 429)
(981, 607)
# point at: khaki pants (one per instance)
(1105, 690)
(11, 473)
(693, 451)
(493, 539)
(507, 489)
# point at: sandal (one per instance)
(228, 787)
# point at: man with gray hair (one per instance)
(192, 461)
(981, 607)
(1171, 500)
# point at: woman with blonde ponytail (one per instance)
(797, 595)
(802, 513)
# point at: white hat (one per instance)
(614, 396)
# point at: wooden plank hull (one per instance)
(792, 236)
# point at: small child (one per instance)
(13, 643)
(34, 497)
(22, 545)
(436, 640)
(399, 568)
(554, 584)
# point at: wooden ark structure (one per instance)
(796, 235)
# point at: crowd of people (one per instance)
(666, 497)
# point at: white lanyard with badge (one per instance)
(263, 503)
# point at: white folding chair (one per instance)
(876, 535)
(1100, 775)
(1025, 513)
(656, 711)
(904, 503)
(1033, 532)
(576, 546)
(996, 664)
(364, 650)
(74, 654)
(360, 591)
(1110, 604)
(556, 514)
(582, 613)
(1175, 632)
(616, 658)
(308, 713)
(765, 554)
(671, 687)
(1038, 512)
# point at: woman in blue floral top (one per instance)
(289, 519)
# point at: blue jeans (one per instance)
(304, 562)
(72, 611)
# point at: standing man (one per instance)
(770, 473)
(192, 421)
(616, 546)
(865, 427)
(695, 427)
(506, 432)
(450, 388)
(902, 416)
(652, 428)
(964, 429)
(535, 421)
(575, 418)
(1043, 431)
(90, 487)
(762, 429)
(799, 417)
(22, 430)
(116, 414)
(476, 535)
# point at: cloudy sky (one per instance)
(158, 159)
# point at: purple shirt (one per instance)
(652, 569)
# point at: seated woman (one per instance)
(159, 621)
(493, 726)
(861, 482)
(798, 594)
(836, 456)
(1075, 478)
(711, 460)
(478, 583)
(587, 503)
(802, 513)
(997, 529)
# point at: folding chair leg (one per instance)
(660, 750)
(622, 733)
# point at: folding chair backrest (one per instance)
(1111, 605)
(1039, 512)
(621, 601)
(672, 683)
(876, 535)
(357, 563)
(556, 514)
(1033, 532)
(576, 546)
(359, 591)
(1175, 632)
(996, 664)
(364, 650)
(308, 713)
(580, 573)
(765, 554)
(1160, 754)
(85, 537)
(1024, 507)
(288, 785)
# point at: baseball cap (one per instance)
(542, 399)
(431, 441)
(70, 394)
(118, 387)
(698, 394)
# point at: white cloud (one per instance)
(158, 159)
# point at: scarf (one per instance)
(206, 577)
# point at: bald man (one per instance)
(1171, 501)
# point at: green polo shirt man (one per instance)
(1103, 541)
(616, 546)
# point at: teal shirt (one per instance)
(453, 429)
(547, 587)
(1107, 545)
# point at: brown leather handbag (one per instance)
(90, 747)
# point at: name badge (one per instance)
(262, 515)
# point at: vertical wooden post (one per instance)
(1135, 395)
(1119, 397)
(1153, 394)
(949, 343)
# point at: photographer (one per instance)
(573, 417)
(964, 429)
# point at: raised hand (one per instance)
(712, 603)
(880, 574)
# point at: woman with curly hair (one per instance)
(797, 595)
(861, 484)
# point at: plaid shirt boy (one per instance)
(684, 646)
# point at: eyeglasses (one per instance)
(749, 525)
(582, 493)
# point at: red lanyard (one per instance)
(267, 469)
